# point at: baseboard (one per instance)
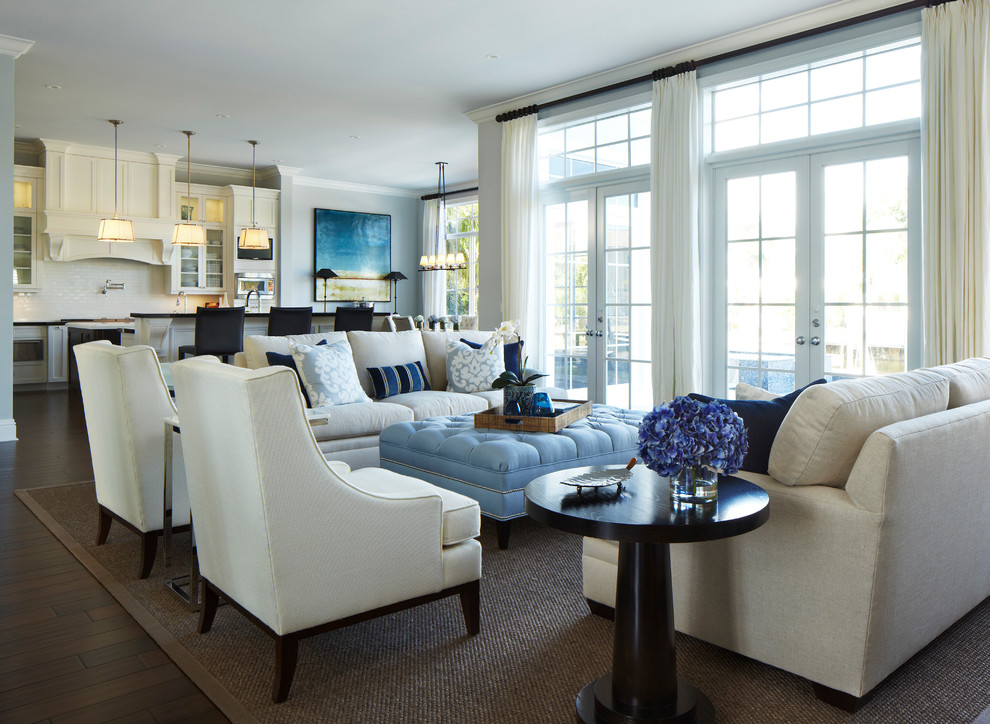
(8, 430)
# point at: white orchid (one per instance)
(506, 330)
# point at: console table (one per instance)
(643, 685)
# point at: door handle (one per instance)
(800, 340)
(599, 333)
(816, 341)
(588, 333)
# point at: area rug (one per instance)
(537, 648)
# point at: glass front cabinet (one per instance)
(27, 182)
(200, 269)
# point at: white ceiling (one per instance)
(304, 76)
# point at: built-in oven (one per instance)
(260, 282)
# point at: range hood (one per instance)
(72, 236)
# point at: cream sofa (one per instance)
(351, 431)
(877, 539)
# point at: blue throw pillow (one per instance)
(762, 419)
(285, 360)
(511, 356)
(398, 379)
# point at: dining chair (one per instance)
(289, 320)
(125, 400)
(399, 324)
(353, 319)
(219, 332)
(296, 543)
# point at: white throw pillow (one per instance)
(748, 392)
(472, 370)
(328, 373)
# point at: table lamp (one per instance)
(325, 274)
(395, 277)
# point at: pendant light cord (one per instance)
(189, 135)
(254, 179)
(115, 124)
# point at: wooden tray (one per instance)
(494, 419)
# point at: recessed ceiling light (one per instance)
(492, 56)
(160, 145)
(355, 138)
(222, 115)
(17, 125)
(276, 160)
(52, 86)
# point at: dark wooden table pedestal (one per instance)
(643, 687)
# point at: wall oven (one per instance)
(245, 282)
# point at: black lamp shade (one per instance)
(395, 276)
(326, 274)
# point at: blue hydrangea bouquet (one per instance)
(690, 442)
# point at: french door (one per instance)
(598, 322)
(820, 257)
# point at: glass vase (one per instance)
(695, 484)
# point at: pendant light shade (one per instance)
(253, 237)
(115, 229)
(187, 233)
(441, 261)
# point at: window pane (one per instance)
(580, 163)
(837, 80)
(641, 341)
(735, 102)
(886, 193)
(843, 337)
(778, 204)
(895, 66)
(893, 104)
(639, 282)
(886, 267)
(743, 284)
(617, 221)
(613, 129)
(554, 231)
(552, 143)
(843, 198)
(837, 114)
(639, 123)
(886, 335)
(640, 219)
(737, 134)
(778, 337)
(778, 271)
(614, 156)
(844, 269)
(788, 90)
(617, 278)
(781, 125)
(744, 335)
(639, 152)
(581, 136)
(743, 212)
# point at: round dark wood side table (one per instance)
(643, 685)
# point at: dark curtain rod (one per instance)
(428, 197)
(693, 64)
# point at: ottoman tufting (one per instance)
(493, 466)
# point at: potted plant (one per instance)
(517, 389)
(691, 442)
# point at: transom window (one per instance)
(864, 88)
(461, 285)
(616, 140)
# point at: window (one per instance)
(461, 285)
(593, 145)
(856, 90)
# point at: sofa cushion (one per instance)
(285, 360)
(472, 370)
(437, 403)
(257, 345)
(969, 380)
(749, 392)
(382, 349)
(328, 373)
(394, 380)
(511, 354)
(460, 516)
(357, 419)
(762, 419)
(823, 432)
(435, 344)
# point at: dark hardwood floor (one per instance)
(68, 651)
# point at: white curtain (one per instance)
(675, 253)
(523, 279)
(433, 291)
(956, 163)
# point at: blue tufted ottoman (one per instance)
(493, 466)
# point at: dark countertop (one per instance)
(192, 315)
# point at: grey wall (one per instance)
(297, 264)
(7, 429)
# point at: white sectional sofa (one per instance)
(877, 541)
(351, 431)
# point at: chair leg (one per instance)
(502, 530)
(149, 548)
(286, 652)
(471, 607)
(209, 601)
(103, 530)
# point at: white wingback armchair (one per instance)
(298, 544)
(125, 400)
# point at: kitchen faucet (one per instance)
(183, 295)
(247, 300)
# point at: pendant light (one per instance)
(253, 238)
(187, 233)
(441, 261)
(115, 229)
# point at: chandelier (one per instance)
(441, 261)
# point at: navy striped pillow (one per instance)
(399, 379)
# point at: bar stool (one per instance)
(289, 320)
(359, 319)
(219, 332)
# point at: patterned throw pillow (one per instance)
(471, 370)
(398, 380)
(328, 373)
(512, 356)
(285, 360)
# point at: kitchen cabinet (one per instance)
(81, 335)
(203, 269)
(30, 343)
(26, 204)
(58, 351)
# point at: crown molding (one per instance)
(322, 183)
(741, 39)
(15, 47)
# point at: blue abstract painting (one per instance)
(357, 247)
